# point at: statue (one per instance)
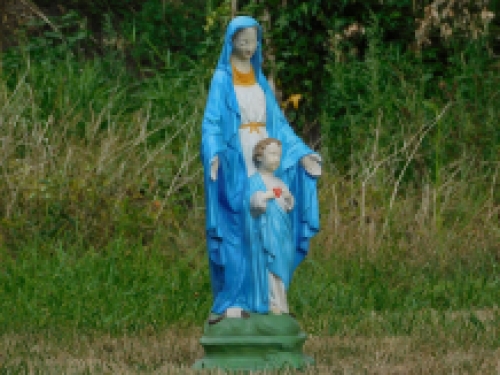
(241, 111)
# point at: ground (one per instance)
(174, 351)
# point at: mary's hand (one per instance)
(214, 166)
(312, 164)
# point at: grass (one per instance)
(119, 288)
(172, 352)
(124, 289)
(132, 310)
(103, 265)
(89, 157)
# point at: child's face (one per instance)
(271, 157)
(245, 43)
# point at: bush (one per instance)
(391, 95)
(161, 28)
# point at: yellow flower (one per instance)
(295, 98)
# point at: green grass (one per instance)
(126, 288)
(120, 288)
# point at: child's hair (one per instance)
(259, 148)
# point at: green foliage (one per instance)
(162, 28)
(71, 37)
(96, 8)
(150, 33)
(394, 94)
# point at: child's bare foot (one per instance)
(275, 310)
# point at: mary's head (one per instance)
(243, 39)
(245, 43)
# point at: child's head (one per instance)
(267, 154)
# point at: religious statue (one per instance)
(261, 212)
(242, 111)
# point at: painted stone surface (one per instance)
(262, 341)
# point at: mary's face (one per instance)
(245, 43)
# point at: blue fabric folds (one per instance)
(232, 263)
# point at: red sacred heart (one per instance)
(277, 192)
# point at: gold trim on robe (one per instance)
(243, 79)
(253, 126)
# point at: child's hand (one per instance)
(289, 201)
(269, 194)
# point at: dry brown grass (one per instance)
(369, 211)
(173, 352)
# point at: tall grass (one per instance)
(414, 154)
(89, 155)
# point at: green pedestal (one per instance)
(256, 343)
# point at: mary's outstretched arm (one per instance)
(312, 164)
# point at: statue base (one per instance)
(260, 342)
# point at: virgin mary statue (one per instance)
(241, 110)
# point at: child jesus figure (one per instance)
(271, 237)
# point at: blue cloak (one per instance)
(226, 213)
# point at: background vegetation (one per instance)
(101, 199)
